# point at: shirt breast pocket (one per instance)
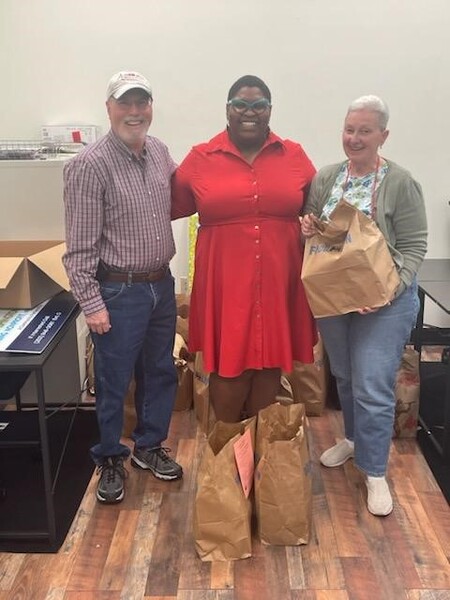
(159, 184)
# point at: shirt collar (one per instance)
(123, 148)
(223, 143)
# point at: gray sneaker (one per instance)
(158, 461)
(110, 487)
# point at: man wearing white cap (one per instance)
(119, 244)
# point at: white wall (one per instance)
(56, 57)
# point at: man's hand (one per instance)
(98, 322)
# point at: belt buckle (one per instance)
(129, 278)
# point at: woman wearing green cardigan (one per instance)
(365, 346)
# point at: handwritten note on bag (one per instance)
(245, 461)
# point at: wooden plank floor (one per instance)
(142, 549)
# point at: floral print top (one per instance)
(358, 190)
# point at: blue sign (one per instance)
(47, 321)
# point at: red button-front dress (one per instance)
(248, 305)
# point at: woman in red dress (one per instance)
(249, 315)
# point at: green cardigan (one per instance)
(400, 215)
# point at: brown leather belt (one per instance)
(130, 277)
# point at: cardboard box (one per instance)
(30, 272)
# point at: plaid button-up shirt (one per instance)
(117, 209)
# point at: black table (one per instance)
(17, 362)
(434, 286)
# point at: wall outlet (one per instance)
(184, 287)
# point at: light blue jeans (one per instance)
(143, 319)
(365, 353)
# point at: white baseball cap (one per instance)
(124, 81)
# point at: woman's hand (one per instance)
(308, 225)
(366, 310)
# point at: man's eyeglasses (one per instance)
(242, 106)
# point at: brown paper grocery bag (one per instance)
(285, 393)
(89, 358)
(407, 395)
(222, 512)
(310, 381)
(184, 363)
(185, 394)
(202, 407)
(182, 328)
(183, 307)
(129, 411)
(283, 492)
(348, 265)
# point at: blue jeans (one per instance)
(143, 319)
(365, 352)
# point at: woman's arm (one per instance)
(183, 199)
(410, 227)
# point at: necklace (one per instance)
(373, 206)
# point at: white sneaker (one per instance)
(338, 454)
(379, 499)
